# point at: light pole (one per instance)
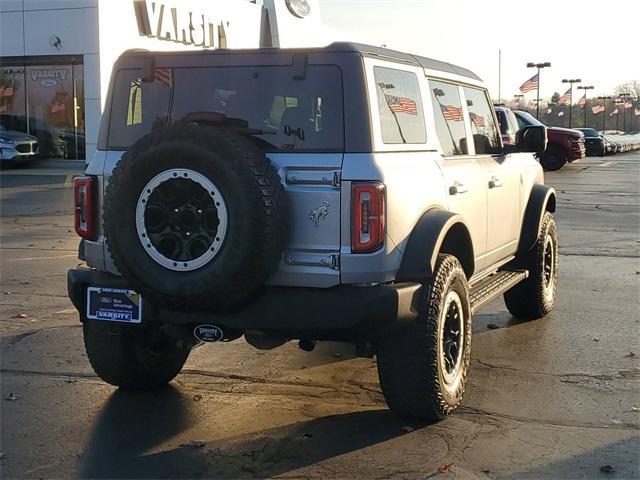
(539, 66)
(571, 81)
(604, 112)
(585, 88)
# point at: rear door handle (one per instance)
(457, 188)
(495, 182)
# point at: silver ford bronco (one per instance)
(347, 193)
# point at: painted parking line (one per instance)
(28, 259)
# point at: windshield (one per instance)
(525, 118)
(589, 132)
(287, 114)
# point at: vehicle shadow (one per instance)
(131, 425)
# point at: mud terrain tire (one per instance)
(254, 205)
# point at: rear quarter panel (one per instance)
(414, 184)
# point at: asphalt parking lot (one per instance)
(553, 398)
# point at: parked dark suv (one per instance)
(565, 145)
(594, 142)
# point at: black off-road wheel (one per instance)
(195, 217)
(553, 158)
(423, 366)
(535, 297)
(134, 358)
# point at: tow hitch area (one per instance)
(208, 333)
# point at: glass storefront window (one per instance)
(45, 100)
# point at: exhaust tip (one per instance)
(307, 345)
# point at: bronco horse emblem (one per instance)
(319, 213)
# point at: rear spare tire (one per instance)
(194, 217)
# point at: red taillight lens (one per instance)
(368, 212)
(84, 194)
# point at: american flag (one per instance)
(163, 75)
(549, 110)
(57, 107)
(597, 109)
(566, 98)
(530, 84)
(402, 105)
(628, 105)
(451, 113)
(583, 101)
(614, 113)
(561, 114)
(6, 91)
(636, 112)
(478, 120)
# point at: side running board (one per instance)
(493, 286)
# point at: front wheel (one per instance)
(535, 297)
(423, 366)
(132, 357)
(553, 158)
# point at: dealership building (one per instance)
(56, 55)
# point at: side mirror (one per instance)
(532, 138)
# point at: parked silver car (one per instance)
(16, 147)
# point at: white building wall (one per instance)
(27, 27)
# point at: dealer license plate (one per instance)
(114, 305)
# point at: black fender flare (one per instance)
(542, 199)
(436, 231)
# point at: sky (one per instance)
(596, 41)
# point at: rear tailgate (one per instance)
(312, 183)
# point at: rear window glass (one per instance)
(285, 113)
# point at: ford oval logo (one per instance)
(105, 300)
(208, 333)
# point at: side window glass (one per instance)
(400, 106)
(449, 120)
(486, 135)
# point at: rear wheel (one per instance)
(132, 357)
(536, 296)
(553, 158)
(423, 366)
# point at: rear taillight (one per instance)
(84, 194)
(368, 216)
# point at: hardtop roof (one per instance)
(337, 47)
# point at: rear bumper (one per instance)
(339, 313)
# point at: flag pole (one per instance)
(499, 75)
(538, 97)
